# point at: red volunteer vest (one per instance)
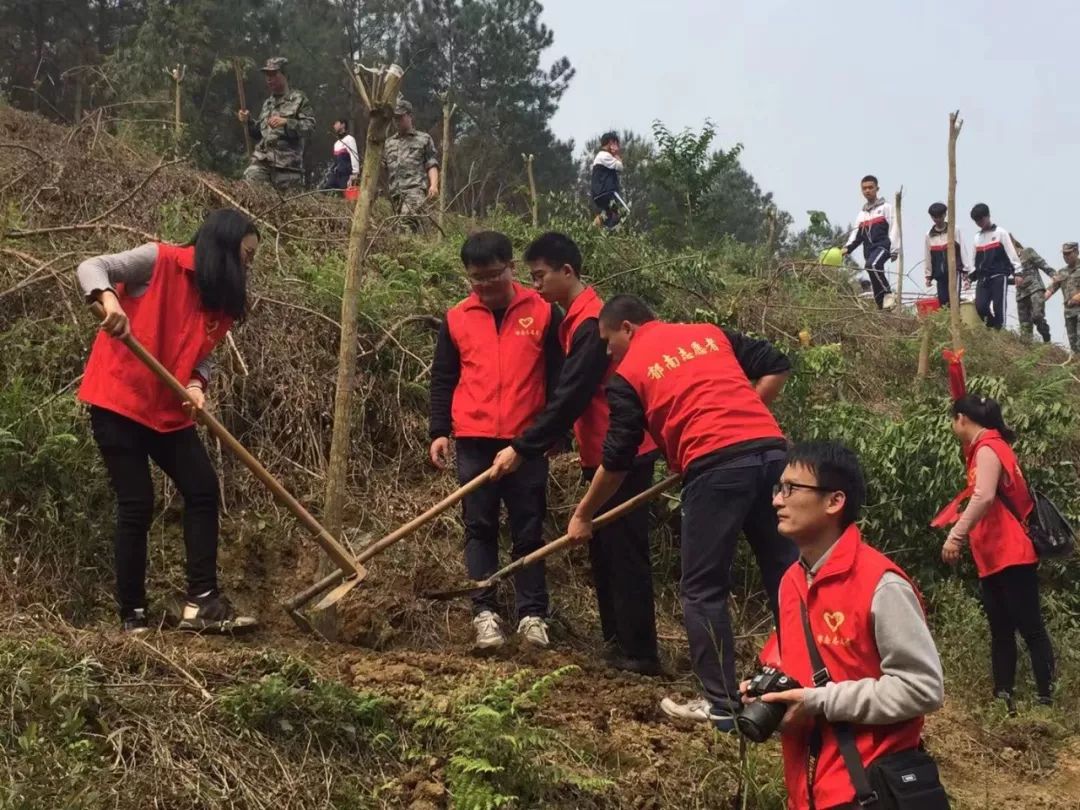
(998, 541)
(502, 386)
(168, 319)
(696, 396)
(838, 603)
(591, 427)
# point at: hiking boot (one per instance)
(534, 630)
(488, 632)
(135, 622)
(698, 710)
(1010, 704)
(649, 667)
(214, 613)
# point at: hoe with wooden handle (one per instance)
(350, 569)
(554, 545)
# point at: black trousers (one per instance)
(943, 289)
(127, 448)
(525, 494)
(718, 503)
(622, 569)
(1011, 602)
(876, 257)
(990, 300)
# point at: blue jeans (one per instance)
(717, 503)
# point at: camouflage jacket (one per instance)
(1031, 280)
(407, 159)
(1068, 279)
(283, 148)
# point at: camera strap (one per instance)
(865, 796)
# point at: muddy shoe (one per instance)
(1006, 697)
(214, 614)
(698, 710)
(534, 630)
(135, 622)
(650, 667)
(489, 634)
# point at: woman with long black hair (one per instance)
(179, 301)
(993, 524)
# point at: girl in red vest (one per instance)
(993, 525)
(179, 302)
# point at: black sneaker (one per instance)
(135, 622)
(650, 667)
(1010, 704)
(1045, 700)
(214, 614)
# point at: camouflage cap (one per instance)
(402, 107)
(1069, 247)
(275, 64)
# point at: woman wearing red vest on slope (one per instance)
(1004, 556)
(179, 302)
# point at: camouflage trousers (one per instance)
(1031, 311)
(281, 179)
(1072, 329)
(409, 205)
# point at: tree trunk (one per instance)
(381, 113)
(447, 115)
(955, 124)
(535, 203)
(899, 251)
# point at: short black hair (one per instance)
(344, 121)
(984, 412)
(938, 210)
(837, 469)
(979, 211)
(869, 179)
(608, 137)
(625, 308)
(555, 249)
(486, 247)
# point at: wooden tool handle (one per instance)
(337, 552)
(243, 102)
(564, 541)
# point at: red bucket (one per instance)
(924, 306)
(353, 192)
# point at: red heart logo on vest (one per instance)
(525, 322)
(834, 620)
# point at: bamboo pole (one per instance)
(955, 125)
(382, 97)
(447, 113)
(241, 98)
(899, 250)
(535, 205)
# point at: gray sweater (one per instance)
(133, 268)
(911, 682)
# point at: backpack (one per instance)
(1050, 532)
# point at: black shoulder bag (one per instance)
(905, 780)
(1050, 532)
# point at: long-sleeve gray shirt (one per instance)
(133, 268)
(911, 682)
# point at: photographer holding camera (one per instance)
(852, 628)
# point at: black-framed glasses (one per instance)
(785, 488)
(488, 277)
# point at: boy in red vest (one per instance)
(619, 553)
(882, 672)
(702, 393)
(496, 358)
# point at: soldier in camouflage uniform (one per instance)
(1068, 279)
(412, 166)
(1031, 293)
(285, 122)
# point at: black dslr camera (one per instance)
(757, 721)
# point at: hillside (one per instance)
(399, 713)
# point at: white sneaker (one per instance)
(488, 632)
(696, 709)
(534, 630)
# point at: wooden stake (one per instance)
(955, 125)
(532, 189)
(447, 113)
(177, 74)
(241, 98)
(380, 117)
(899, 250)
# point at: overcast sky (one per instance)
(822, 93)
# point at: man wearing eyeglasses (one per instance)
(702, 393)
(497, 359)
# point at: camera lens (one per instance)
(757, 721)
